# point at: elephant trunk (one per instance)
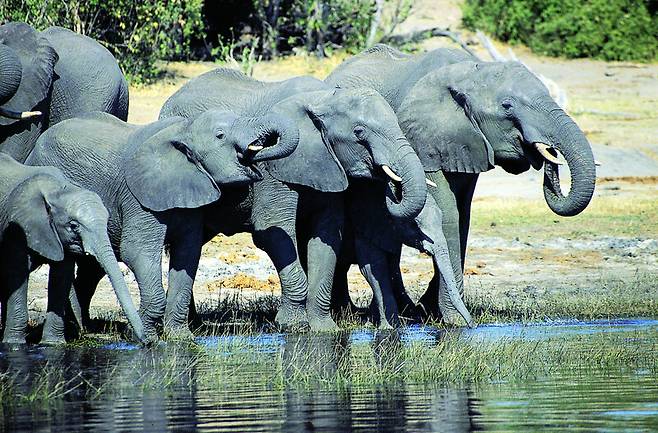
(10, 73)
(412, 181)
(98, 245)
(573, 145)
(277, 137)
(451, 304)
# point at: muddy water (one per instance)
(118, 387)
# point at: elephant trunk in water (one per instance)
(413, 187)
(570, 141)
(98, 245)
(268, 129)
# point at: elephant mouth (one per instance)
(253, 173)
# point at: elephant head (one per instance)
(186, 161)
(351, 133)
(27, 62)
(468, 116)
(58, 217)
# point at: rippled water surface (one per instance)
(120, 387)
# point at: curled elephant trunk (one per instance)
(99, 246)
(276, 137)
(408, 172)
(576, 150)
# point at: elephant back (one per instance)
(87, 78)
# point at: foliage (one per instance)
(604, 29)
(138, 33)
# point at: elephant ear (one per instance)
(161, 172)
(438, 119)
(313, 163)
(31, 211)
(38, 60)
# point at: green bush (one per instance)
(603, 29)
(137, 32)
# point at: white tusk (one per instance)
(19, 114)
(430, 183)
(390, 173)
(255, 148)
(543, 151)
(597, 163)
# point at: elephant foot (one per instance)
(292, 318)
(178, 333)
(322, 323)
(14, 339)
(52, 340)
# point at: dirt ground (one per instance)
(517, 244)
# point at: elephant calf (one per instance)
(154, 180)
(46, 219)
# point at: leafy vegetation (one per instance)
(603, 29)
(137, 32)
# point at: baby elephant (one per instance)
(44, 218)
(154, 180)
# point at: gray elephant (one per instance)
(44, 218)
(154, 180)
(49, 76)
(462, 116)
(296, 213)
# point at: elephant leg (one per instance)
(274, 217)
(323, 248)
(145, 261)
(374, 265)
(447, 201)
(15, 268)
(86, 281)
(60, 282)
(406, 305)
(184, 255)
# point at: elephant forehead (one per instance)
(213, 119)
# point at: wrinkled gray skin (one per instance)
(373, 240)
(57, 72)
(462, 116)
(296, 213)
(44, 218)
(154, 180)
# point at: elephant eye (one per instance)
(73, 226)
(507, 104)
(359, 132)
(220, 135)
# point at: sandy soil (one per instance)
(616, 104)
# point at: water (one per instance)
(118, 387)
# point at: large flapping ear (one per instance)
(162, 172)
(38, 60)
(31, 210)
(437, 116)
(313, 163)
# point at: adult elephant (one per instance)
(296, 213)
(46, 219)
(462, 116)
(49, 76)
(154, 180)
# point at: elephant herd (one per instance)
(385, 151)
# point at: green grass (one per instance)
(533, 220)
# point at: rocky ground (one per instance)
(517, 245)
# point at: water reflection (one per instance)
(171, 387)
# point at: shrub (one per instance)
(137, 32)
(603, 29)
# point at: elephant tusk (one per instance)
(255, 148)
(390, 173)
(19, 114)
(430, 183)
(543, 151)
